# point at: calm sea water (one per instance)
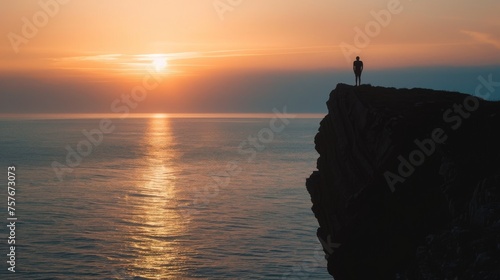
(162, 198)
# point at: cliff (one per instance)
(407, 185)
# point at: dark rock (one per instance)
(434, 216)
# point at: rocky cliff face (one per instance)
(408, 184)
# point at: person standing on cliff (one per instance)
(357, 66)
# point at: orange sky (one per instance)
(193, 35)
(114, 43)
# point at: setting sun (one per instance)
(264, 139)
(237, 56)
(160, 63)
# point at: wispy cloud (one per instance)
(122, 63)
(129, 63)
(484, 38)
(269, 51)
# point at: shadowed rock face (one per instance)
(407, 185)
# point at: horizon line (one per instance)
(62, 116)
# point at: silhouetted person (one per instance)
(357, 66)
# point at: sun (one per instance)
(159, 63)
(160, 116)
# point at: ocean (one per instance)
(160, 197)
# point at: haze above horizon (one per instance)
(224, 56)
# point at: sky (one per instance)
(235, 56)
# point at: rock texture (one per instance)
(407, 185)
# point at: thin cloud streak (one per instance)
(133, 62)
(483, 38)
(194, 55)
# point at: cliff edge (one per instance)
(407, 185)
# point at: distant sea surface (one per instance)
(161, 197)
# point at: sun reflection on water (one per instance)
(157, 227)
